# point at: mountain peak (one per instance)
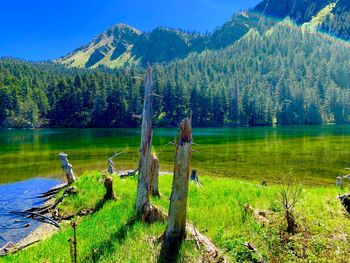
(123, 44)
(125, 26)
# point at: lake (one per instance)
(315, 155)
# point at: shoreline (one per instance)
(42, 232)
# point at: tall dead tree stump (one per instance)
(144, 179)
(176, 228)
(154, 176)
(67, 168)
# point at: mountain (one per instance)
(123, 45)
(300, 11)
(112, 49)
(329, 16)
(280, 75)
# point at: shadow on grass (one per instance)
(106, 247)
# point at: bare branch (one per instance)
(134, 116)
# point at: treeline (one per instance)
(283, 76)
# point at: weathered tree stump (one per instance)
(194, 178)
(109, 189)
(339, 182)
(144, 178)
(111, 169)
(67, 167)
(154, 176)
(176, 228)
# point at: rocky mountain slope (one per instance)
(123, 45)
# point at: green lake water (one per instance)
(315, 155)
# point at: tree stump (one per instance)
(109, 189)
(154, 176)
(339, 182)
(111, 169)
(194, 178)
(67, 168)
(176, 228)
(144, 178)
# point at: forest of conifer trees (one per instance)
(282, 76)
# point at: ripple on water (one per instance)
(17, 197)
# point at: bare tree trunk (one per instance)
(176, 228)
(67, 167)
(154, 176)
(144, 178)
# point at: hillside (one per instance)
(283, 75)
(123, 45)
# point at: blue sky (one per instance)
(46, 29)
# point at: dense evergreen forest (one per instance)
(282, 76)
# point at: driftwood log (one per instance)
(4, 250)
(176, 228)
(67, 168)
(129, 173)
(154, 176)
(144, 179)
(111, 167)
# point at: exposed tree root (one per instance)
(213, 254)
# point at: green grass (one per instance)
(216, 210)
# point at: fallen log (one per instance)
(15, 248)
(4, 250)
(129, 173)
(37, 217)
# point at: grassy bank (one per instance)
(216, 210)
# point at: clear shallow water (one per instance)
(313, 154)
(17, 197)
